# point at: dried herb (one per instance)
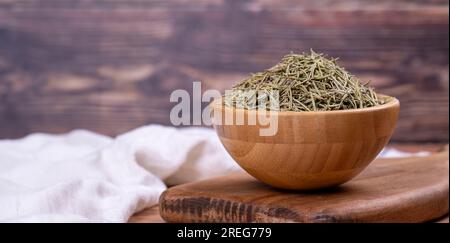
(303, 82)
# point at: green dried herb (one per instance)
(305, 82)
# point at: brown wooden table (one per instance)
(151, 215)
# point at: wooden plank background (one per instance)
(110, 65)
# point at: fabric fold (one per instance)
(82, 176)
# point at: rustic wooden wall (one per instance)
(110, 65)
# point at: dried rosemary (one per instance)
(305, 82)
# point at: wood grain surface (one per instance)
(151, 214)
(110, 66)
(390, 190)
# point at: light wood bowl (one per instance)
(311, 150)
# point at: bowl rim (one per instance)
(391, 103)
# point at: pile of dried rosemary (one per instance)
(305, 82)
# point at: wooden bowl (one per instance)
(310, 150)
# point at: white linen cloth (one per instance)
(86, 177)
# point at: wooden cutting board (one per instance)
(389, 190)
